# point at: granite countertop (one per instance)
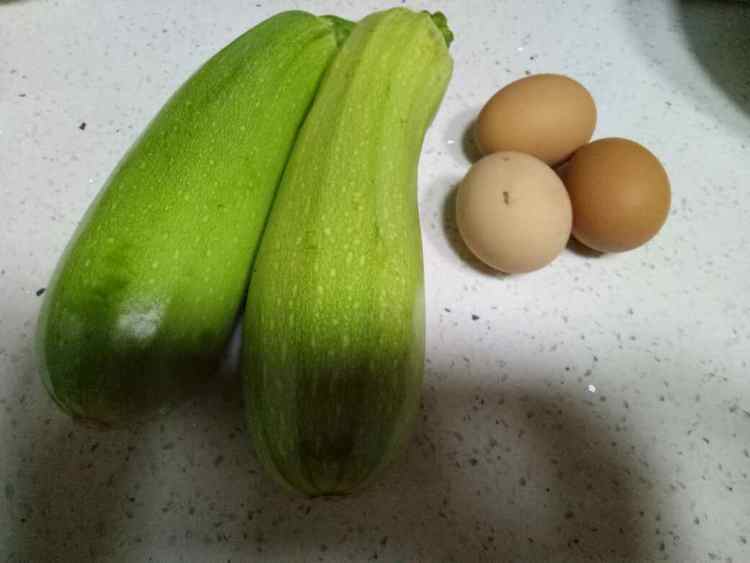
(596, 410)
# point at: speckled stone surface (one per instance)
(597, 410)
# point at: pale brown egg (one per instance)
(620, 194)
(545, 115)
(513, 212)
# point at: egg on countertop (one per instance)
(620, 194)
(545, 115)
(513, 212)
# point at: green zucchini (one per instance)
(334, 323)
(145, 296)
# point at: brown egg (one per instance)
(620, 194)
(513, 212)
(546, 115)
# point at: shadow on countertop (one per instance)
(718, 33)
(495, 472)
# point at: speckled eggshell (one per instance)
(513, 212)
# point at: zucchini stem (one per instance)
(441, 22)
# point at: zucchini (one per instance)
(333, 345)
(145, 296)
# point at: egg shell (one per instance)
(513, 212)
(545, 115)
(620, 194)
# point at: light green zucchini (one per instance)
(334, 331)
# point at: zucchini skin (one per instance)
(145, 296)
(333, 348)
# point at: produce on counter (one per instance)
(143, 301)
(513, 212)
(145, 296)
(545, 115)
(620, 194)
(334, 326)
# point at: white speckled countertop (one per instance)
(597, 410)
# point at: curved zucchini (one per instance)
(334, 329)
(145, 296)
